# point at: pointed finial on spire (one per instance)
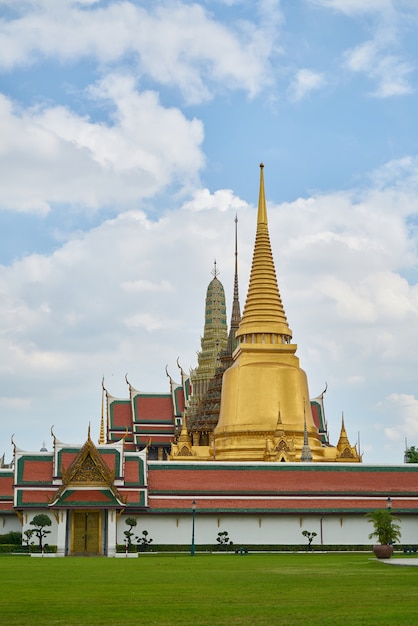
(102, 428)
(236, 309)
(262, 210)
(215, 271)
(306, 455)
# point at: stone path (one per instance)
(411, 562)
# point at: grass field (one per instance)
(268, 589)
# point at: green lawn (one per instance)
(283, 589)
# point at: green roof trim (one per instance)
(110, 499)
(269, 511)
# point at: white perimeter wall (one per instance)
(248, 529)
(9, 523)
(262, 529)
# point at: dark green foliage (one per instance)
(143, 541)
(386, 529)
(8, 548)
(40, 522)
(131, 522)
(12, 537)
(223, 540)
(27, 536)
(310, 537)
(412, 455)
(208, 548)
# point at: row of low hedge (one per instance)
(255, 548)
(11, 547)
(121, 547)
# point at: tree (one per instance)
(144, 541)
(386, 529)
(40, 522)
(411, 455)
(131, 522)
(223, 540)
(310, 537)
(28, 536)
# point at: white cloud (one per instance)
(405, 407)
(380, 58)
(304, 83)
(52, 155)
(175, 44)
(222, 199)
(390, 72)
(354, 7)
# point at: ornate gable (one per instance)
(89, 472)
(88, 468)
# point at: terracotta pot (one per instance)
(383, 551)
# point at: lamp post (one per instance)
(193, 516)
(389, 503)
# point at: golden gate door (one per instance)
(86, 532)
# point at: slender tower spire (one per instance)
(306, 455)
(102, 440)
(236, 311)
(263, 311)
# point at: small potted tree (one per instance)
(386, 530)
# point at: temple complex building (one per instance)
(238, 437)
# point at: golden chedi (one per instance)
(265, 412)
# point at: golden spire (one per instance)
(102, 428)
(263, 311)
(343, 440)
(236, 310)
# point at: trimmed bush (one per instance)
(13, 537)
(19, 549)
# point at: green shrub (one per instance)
(121, 547)
(8, 547)
(35, 549)
(13, 537)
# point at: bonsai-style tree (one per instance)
(28, 536)
(40, 522)
(131, 522)
(144, 541)
(310, 537)
(223, 540)
(386, 529)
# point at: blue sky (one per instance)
(130, 136)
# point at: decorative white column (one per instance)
(61, 532)
(111, 532)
